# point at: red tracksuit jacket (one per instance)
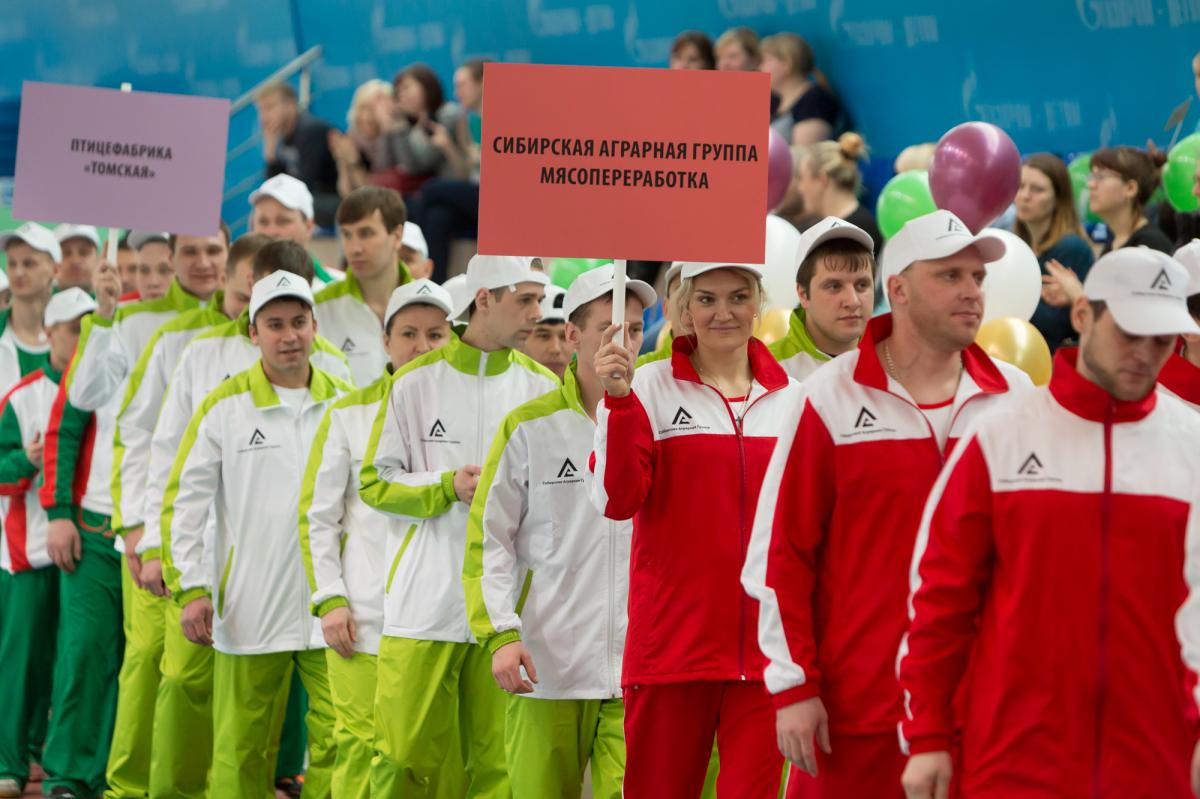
(1181, 378)
(835, 529)
(1048, 579)
(672, 456)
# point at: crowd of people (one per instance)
(362, 530)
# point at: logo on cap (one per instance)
(1162, 281)
(681, 417)
(438, 430)
(282, 281)
(865, 419)
(425, 289)
(954, 226)
(568, 469)
(1032, 466)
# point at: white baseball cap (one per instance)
(552, 304)
(459, 296)
(1145, 290)
(935, 235)
(3, 280)
(418, 292)
(596, 283)
(276, 285)
(831, 227)
(67, 305)
(137, 239)
(414, 239)
(37, 237)
(288, 191)
(501, 271)
(1189, 256)
(691, 269)
(66, 231)
(672, 272)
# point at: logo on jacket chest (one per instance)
(437, 433)
(566, 474)
(682, 421)
(255, 441)
(1031, 470)
(866, 423)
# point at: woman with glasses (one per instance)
(1119, 185)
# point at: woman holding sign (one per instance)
(682, 451)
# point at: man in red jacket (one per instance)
(1049, 571)
(838, 513)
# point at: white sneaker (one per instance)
(10, 788)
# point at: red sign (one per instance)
(598, 162)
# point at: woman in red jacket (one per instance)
(681, 449)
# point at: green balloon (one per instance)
(563, 271)
(1179, 175)
(905, 197)
(1078, 169)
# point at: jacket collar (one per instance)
(1084, 398)
(763, 366)
(354, 288)
(465, 358)
(178, 297)
(869, 371)
(1182, 378)
(320, 387)
(798, 337)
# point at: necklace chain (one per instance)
(741, 412)
(887, 356)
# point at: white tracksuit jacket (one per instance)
(210, 358)
(342, 539)
(537, 547)
(345, 319)
(241, 458)
(441, 413)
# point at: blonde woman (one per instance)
(352, 150)
(828, 179)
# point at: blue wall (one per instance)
(1063, 75)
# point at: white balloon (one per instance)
(779, 274)
(1013, 284)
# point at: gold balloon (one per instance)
(664, 335)
(1017, 342)
(773, 325)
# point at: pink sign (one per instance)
(104, 157)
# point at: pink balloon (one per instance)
(975, 173)
(779, 169)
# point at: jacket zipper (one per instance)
(479, 452)
(738, 423)
(1105, 577)
(305, 618)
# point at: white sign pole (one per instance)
(618, 302)
(114, 234)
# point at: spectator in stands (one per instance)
(791, 207)
(1119, 186)
(353, 150)
(804, 110)
(297, 143)
(692, 50)
(449, 207)
(914, 157)
(1047, 222)
(417, 143)
(829, 181)
(738, 49)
